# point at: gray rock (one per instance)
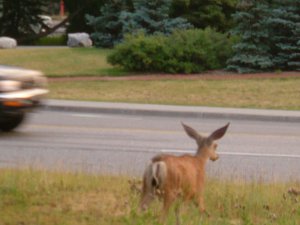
(7, 42)
(79, 40)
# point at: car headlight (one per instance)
(9, 85)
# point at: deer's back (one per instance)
(185, 174)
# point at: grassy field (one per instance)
(29, 197)
(272, 93)
(60, 61)
(275, 93)
(59, 198)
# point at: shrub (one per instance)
(52, 40)
(187, 51)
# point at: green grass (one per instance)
(58, 62)
(275, 93)
(62, 198)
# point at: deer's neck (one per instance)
(202, 160)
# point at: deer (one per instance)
(170, 177)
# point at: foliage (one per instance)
(188, 51)
(20, 18)
(252, 53)
(119, 18)
(152, 17)
(52, 41)
(78, 23)
(269, 36)
(205, 13)
(53, 7)
(108, 26)
(285, 35)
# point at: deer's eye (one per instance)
(215, 146)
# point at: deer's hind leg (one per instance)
(168, 200)
(201, 206)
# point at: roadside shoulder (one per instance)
(172, 111)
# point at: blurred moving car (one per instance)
(21, 90)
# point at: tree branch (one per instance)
(48, 29)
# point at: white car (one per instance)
(21, 90)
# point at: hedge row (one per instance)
(188, 51)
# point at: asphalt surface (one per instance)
(121, 140)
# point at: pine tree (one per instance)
(119, 18)
(80, 8)
(285, 34)
(152, 17)
(253, 52)
(269, 36)
(205, 13)
(19, 18)
(108, 26)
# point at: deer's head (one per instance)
(206, 144)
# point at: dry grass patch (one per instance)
(40, 197)
(275, 93)
(62, 198)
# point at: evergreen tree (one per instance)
(206, 13)
(152, 17)
(108, 26)
(19, 18)
(121, 17)
(285, 34)
(269, 34)
(81, 8)
(253, 52)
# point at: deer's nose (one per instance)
(216, 157)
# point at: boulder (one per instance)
(7, 42)
(79, 40)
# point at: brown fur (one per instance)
(170, 177)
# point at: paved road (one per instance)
(124, 144)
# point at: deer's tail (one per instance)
(153, 181)
(158, 174)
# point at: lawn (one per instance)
(275, 93)
(30, 196)
(270, 93)
(62, 198)
(60, 61)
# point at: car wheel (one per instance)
(12, 123)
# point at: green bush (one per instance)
(52, 41)
(187, 51)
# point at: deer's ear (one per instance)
(191, 132)
(219, 133)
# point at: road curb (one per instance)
(172, 111)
